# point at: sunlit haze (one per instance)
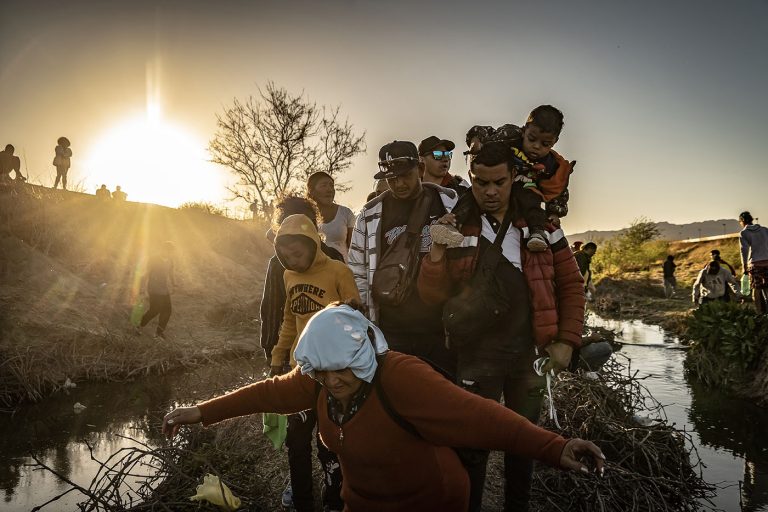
(156, 161)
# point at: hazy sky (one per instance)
(664, 102)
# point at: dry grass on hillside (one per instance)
(70, 275)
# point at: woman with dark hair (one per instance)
(754, 259)
(336, 221)
(62, 161)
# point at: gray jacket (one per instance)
(754, 245)
(708, 286)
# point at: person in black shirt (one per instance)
(669, 277)
(410, 326)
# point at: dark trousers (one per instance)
(430, 346)
(760, 296)
(299, 443)
(529, 203)
(158, 305)
(61, 174)
(521, 389)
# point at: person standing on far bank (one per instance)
(753, 239)
(62, 161)
(159, 286)
(669, 277)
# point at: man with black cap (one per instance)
(436, 154)
(385, 225)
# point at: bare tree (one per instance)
(274, 141)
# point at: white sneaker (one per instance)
(445, 234)
(537, 243)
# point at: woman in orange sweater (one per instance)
(340, 356)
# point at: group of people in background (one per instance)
(104, 194)
(62, 161)
(389, 330)
(717, 281)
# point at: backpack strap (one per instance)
(387, 405)
(419, 212)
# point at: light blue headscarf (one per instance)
(337, 338)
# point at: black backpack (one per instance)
(399, 264)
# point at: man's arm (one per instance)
(271, 311)
(744, 243)
(696, 295)
(357, 257)
(731, 281)
(347, 287)
(569, 289)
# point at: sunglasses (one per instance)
(439, 155)
(399, 162)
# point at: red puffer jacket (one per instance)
(555, 284)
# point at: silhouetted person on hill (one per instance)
(9, 162)
(119, 195)
(159, 286)
(62, 162)
(753, 239)
(103, 193)
(669, 276)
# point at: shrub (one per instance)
(728, 340)
(636, 248)
(203, 207)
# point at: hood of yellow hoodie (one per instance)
(301, 225)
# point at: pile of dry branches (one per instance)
(652, 466)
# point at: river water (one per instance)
(731, 435)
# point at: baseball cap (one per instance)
(396, 158)
(432, 142)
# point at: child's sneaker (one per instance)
(537, 242)
(286, 500)
(445, 234)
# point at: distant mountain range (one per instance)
(670, 231)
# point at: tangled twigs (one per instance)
(142, 478)
(652, 466)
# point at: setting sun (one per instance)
(155, 161)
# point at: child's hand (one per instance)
(554, 219)
(448, 218)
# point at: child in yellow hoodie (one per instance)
(312, 281)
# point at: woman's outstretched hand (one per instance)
(578, 448)
(178, 417)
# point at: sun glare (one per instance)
(154, 161)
